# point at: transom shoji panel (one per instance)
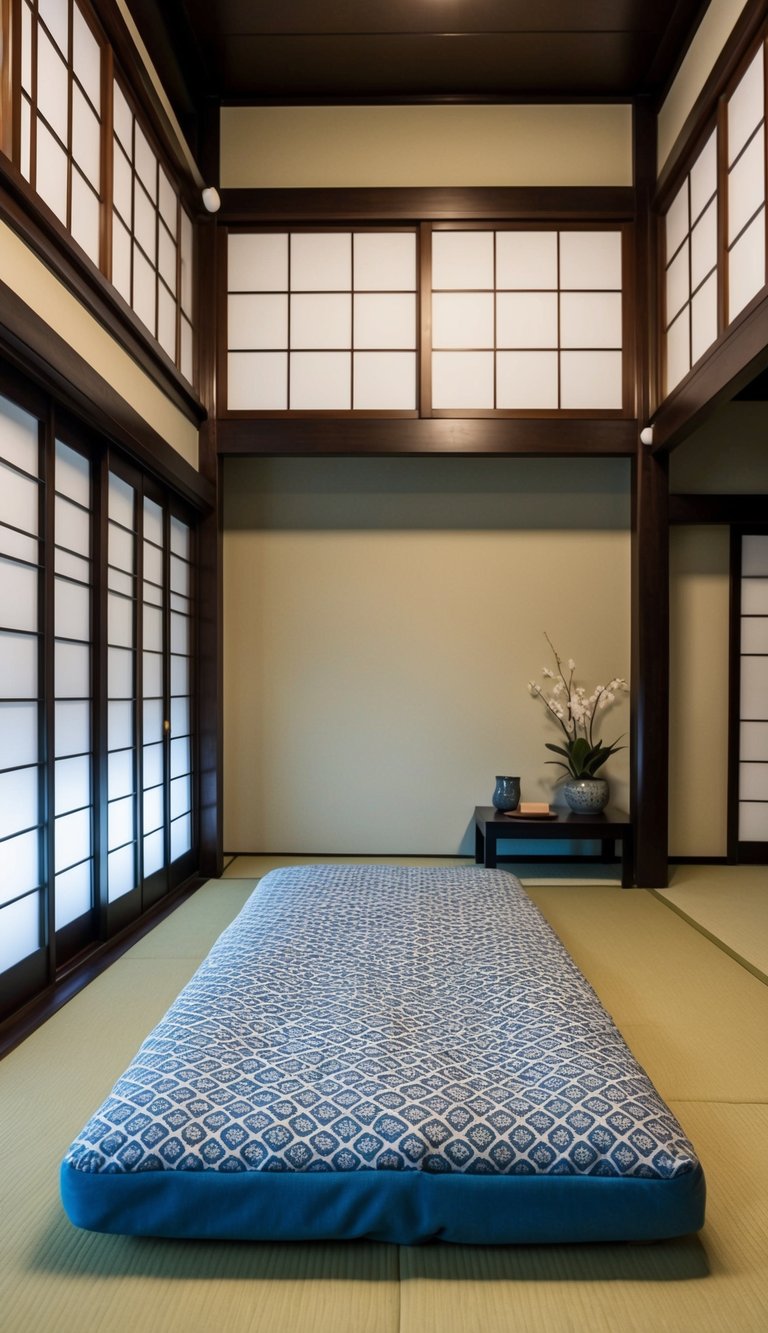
(753, 711)
(322, 321)
(691, 266)
(61, 115)
(694, 272)
(527, 320)
(151, 238)
(746, 186)
(21, 809)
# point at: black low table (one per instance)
(608, 827)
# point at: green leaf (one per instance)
(558, 749)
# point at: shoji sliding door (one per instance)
(149, 714)
(749, 814)
(71, 721)
(23, 961)
(97, 787)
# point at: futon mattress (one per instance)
(400, 1054)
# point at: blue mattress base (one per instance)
(402, 1207)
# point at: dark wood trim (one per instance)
(698, 860)
(428, 204)
(753, 853)
(10, 46)
(434, 435)
(424, 336)
(47, 692)
(38, 227)
(739, 354)
(698, 121)
(649, 777)
(719, 509)
(34, 348)
(85, 968)
(734, 694)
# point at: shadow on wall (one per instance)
(422, 494)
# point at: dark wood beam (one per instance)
(333, 436)
(649, 785)
(429, 204)
(719, 509)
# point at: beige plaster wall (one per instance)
(698, 693)
(381, 621)
(385, 146)
(25, 274)
(713, 32)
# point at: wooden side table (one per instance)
(609, 827)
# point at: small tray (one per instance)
(517, 814)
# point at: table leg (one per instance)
(490, 849)
(479, 846)
(627, 862)
(608, 849)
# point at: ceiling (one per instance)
(352, 50)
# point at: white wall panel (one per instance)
(754, 688)
(19, 498)
(322, 320)
(526, 319)
(385, 320)
(19, 929)
(257, 381)
(18, 598)
(678, 358)
(258, 261)
(590, 380)
(704, 318)
(462, 319)
(86, 217)
(72, 663)
(677, 221)
(746, 107)
(72, 838)
(462, 379)
(257, 321)
(52, 87)
(18, 665)
(526, 260)
(746, 266)
(18, 728)
(384, 380)
(754, 554)
(18, 439)
(527, 380)
(746, 185)
(73, 893)
(321, 380)
(704, 245)
(462, 259)
(72, 611)
(590, 260)
(384, 261)
(86, 138)
(19, 866)
(321, 261)
(51, 172)
(753, 740)
(753, 781)
(590, 319)
(72, 727)
(753, 821)
(72, 781)
(18, 800)
(86, 57)
(678, 283)
(121, 873)
(703, 178)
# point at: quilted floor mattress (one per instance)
(390, 1053)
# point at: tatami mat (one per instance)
(528, 872)
(697, 1020)
(728, 903)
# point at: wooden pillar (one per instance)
(650, 550)
(210, 650)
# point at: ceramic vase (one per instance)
(586, 796)
(506, 794)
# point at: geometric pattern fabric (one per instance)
(372, 1018)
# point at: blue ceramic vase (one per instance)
(506, 794)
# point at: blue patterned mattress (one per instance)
(390, 1053)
